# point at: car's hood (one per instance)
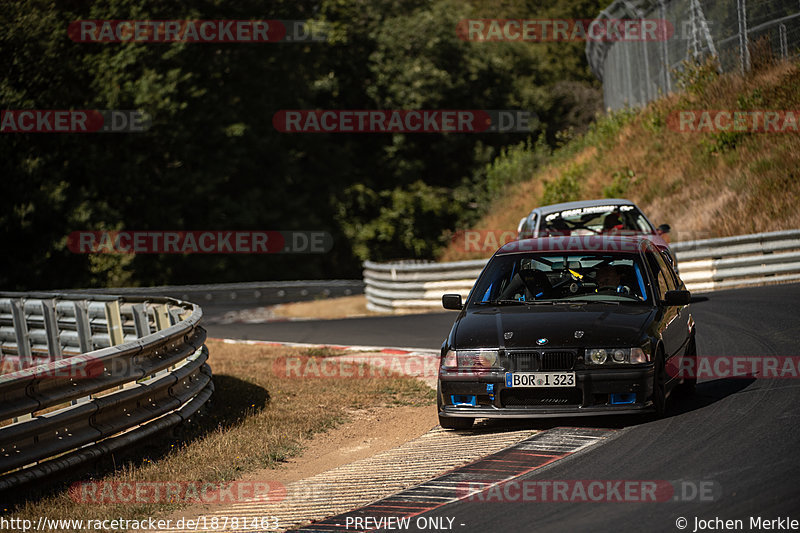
(595, 324)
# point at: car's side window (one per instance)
(526, 230)
(642, 223)
(661, 271)
(672, 274)
(666, 272)
(661, 286)
(530, 226)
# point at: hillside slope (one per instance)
(704, 184)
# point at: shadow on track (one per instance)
(708, 392)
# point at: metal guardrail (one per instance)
(739, 261)
(395, 287)
(705, 265)
(84, 376)
(260, 293)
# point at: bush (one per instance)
(566, 188)
(620, 182)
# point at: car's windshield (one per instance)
(595, 220)
(554, 278)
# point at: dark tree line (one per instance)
(212, 158)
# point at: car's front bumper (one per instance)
(543, 412)
(592, 395)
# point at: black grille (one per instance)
(537, 397)
(558, 360)
(521, 362)
(538, 362)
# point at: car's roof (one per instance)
(581, 204)
(577, 243)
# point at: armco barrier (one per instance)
(739, 261)
(256, 293)
(705, 265)
(84, 376)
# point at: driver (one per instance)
(607, 276)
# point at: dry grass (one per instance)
(257, 419)
(333, 308)
(704, 185)
(343, 307)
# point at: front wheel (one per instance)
(689, 384)
(660, 387)
(452, 422)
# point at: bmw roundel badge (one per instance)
(541, 342)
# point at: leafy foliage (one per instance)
(621, 180)
(212, 159)
(565, 188)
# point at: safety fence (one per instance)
(260, 293)
(735, 32)
(705, 265)
(84, 376)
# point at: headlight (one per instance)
(599, 356)
(482, 359)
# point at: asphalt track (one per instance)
(742, 435)
(412, 331)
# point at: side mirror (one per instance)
(452, 301)
(663, 228)
(677, 297)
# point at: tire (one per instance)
(687, 388)
(660, 387)
(452, 422)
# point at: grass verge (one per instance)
(326, 308)
(704, 184)
(257, 419)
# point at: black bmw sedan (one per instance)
(566, 326)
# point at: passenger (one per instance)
(612, 223)
(606, 277)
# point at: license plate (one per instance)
(540, 379)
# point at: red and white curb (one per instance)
(492, 470)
